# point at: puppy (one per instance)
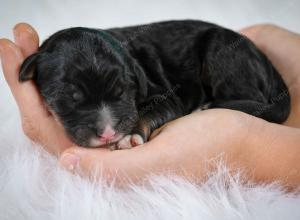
(114, 87)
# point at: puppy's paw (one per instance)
(124, 143)
(136, 140)
(130, 141)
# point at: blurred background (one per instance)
(48, 16)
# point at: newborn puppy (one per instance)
(114, 87)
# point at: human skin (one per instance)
(188, 146)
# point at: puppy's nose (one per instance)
(107, 134)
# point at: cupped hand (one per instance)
(183, 146)
(38, 124)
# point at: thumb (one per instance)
(83, 160)
(117, 166)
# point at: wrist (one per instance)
(271, 153)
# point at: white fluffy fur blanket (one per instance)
(32, 186)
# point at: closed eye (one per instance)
(77, 97)
(118, 92)
(74, 93)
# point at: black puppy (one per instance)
(116, 86)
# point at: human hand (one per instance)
(38, 124)
(186, 151)
(186, 154)
(183, 147)
(161, 154)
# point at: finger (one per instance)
(159, 130)
(119, 165)
(26, 94)
(11, 58)
(156, 132)
(91, 163)
(76, 157)
(26, 38)
(250, 31)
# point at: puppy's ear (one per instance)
(27, 70)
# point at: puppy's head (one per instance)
(87, 85)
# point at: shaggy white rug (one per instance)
(32, 186)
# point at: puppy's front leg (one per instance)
(155, 112)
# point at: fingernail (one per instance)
(18, 33)
(69, 161)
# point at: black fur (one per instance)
(148, 75)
